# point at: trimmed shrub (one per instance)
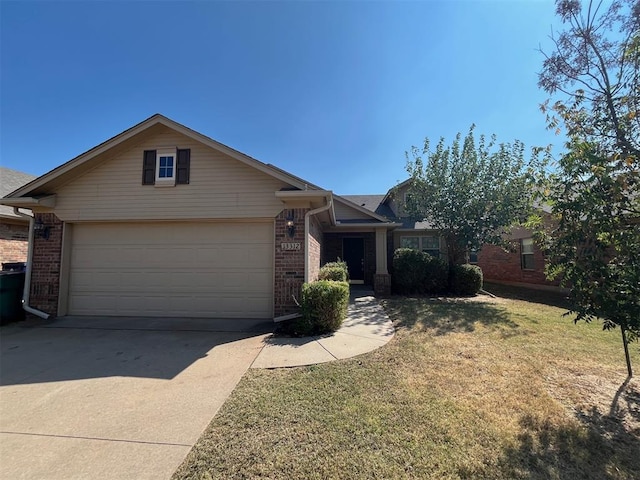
(324, 307)
(466, 279)
(436, 275)
(418, 272)
(336, 271)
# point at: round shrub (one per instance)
(418, 272)
(324, 307)
(436, 275)
(408, 270)
(335, 273)
(466, 279)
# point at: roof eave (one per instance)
(28, 202)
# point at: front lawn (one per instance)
(470, 388)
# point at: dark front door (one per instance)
(353, 254)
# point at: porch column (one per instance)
(381, 251)
(382, 279)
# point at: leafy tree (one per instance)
(471, 192)
(595, 194)
(596, 66)
(596, 244)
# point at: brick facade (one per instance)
(502, 266)
(289, 264)
(14, 242)
(45, 277)
(332, 251)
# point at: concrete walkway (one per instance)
(366, 328)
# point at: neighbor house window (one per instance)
(473, 256)
(427, 244)
(526, 247)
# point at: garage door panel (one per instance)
(199, 270)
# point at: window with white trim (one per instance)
(166, 167)
(429, 244)
(526, 249)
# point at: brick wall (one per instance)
(497, 264)
(14, 242)
(289, 264)
(45, 275)
(332, 250)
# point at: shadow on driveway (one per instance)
(74, 348)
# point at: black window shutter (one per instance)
(149, 167)
(182, 165)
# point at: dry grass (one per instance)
(489, 388)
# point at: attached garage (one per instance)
(172, 269)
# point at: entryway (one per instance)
(353, 254)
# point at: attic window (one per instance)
(166, 167)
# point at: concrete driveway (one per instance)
(114, 398)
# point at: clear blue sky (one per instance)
(334, 92)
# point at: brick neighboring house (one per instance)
(14, 229)
(161, 220)
(523, 265)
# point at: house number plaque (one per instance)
(290, 246)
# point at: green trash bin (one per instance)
(11, 285)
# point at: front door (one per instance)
(353, 254)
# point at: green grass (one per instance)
(467, 389)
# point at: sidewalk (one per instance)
(366, 328)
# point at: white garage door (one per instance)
(172, 269)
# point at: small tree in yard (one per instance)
(595, 194)
(473, 193)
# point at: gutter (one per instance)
(307, 216)
(27, 277)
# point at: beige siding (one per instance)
(345, 212)
(217, 270)
(220, 187)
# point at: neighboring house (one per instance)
(523, 264)
(13, 228)
(161, 220)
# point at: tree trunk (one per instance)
(623, 330)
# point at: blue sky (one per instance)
(334, 92)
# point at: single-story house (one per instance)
(521, 265)
(161, 220)
(14, 229)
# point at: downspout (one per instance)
(307, 216)
(27, 276)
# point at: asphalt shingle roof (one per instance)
(11, 180)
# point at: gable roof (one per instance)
(75, 165)
(11, 180)
(378, 204)
(374, 203)
(40, 187)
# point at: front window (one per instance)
(526, 247)
(427, 244)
